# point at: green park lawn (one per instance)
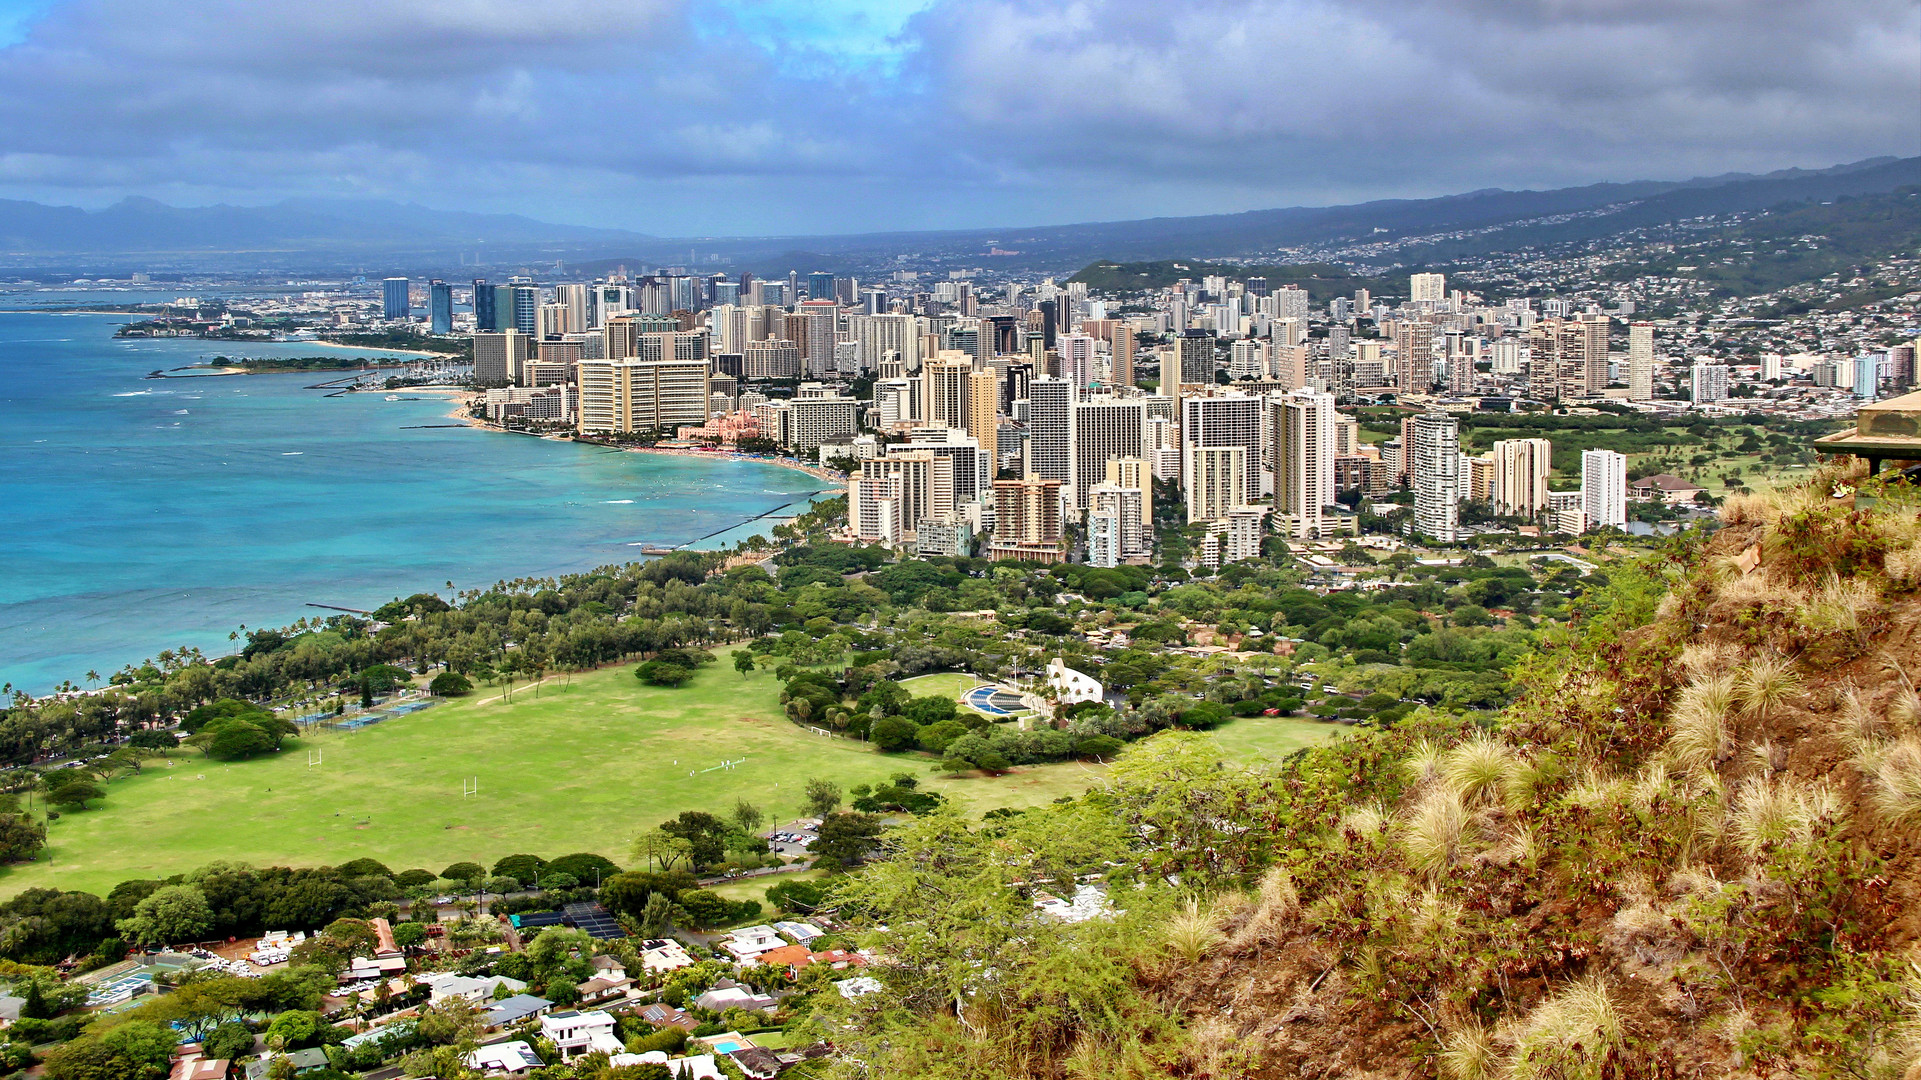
(586, 767)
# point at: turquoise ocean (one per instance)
(140, 514)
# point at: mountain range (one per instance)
(327, 232)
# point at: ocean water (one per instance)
(143, 514)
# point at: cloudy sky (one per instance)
(743, 117)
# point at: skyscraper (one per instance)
(1215, 481)
(1303, 426)
(1027, 520)
(1710, 382)
(1641, 361)
(526, 309)
(1101, 429)
(1050, 409)
(1230, 420)
(1197, 358)
(1435, 474)
(393, 299)
(484, 318)
(1520, 476)
(440, 307)
(820, 285)
(1604, 488)
(1414, 342)
(1427, 288)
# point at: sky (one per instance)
(738, 117)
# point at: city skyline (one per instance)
(858, 115)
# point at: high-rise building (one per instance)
(1519, 481)
(1304, 428)
(1414, 343)
(1641, 361)
(1050, 406)
(1120, 347)
(879, 335)
(1710, 381)
(1027, 520)
(1103, 529)
(770, 360)
(973, 467)
(1435, 474)
(1604, 488)
(921, 480)
(1568, 358)
(820, 285)
(1427, 288)
(500, 357)
(394, 303)
(440, 307)
(484, 316)
(526, 309)
(1077, 358)
(629, 395)
(1216, 481)
(1228, 420)
(1196, 358)
(820, 331)
(574, 301)
(982, 416)
(1101, 429)
(806, 422)
(1138, 474)
(1867, 376)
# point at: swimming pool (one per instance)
(727, 1046)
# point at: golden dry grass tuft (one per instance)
(1568, 1035)
(1190, 932)
(1764, 685)
(1434, 832)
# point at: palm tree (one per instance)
(93, 677)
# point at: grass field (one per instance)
(946, 683)
(584, 769)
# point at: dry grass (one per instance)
(1770, 813)
(1754, 509)
(1765, 685)
(1266, 919)
(1480, 770)
(1838, 610)
(1568, 1035)
(1434, 832)
(1904, 566)
(1705, 659)
(1423, 762)
(1894, 779)
(1190, 933)
(1469, 1052)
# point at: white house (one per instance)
(575, 1033)
(751, 941)
(514, 1058)
(447, 984)
(664, 955)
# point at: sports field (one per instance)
(586, 768)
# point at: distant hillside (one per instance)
(144, 225)
(1322, 282)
